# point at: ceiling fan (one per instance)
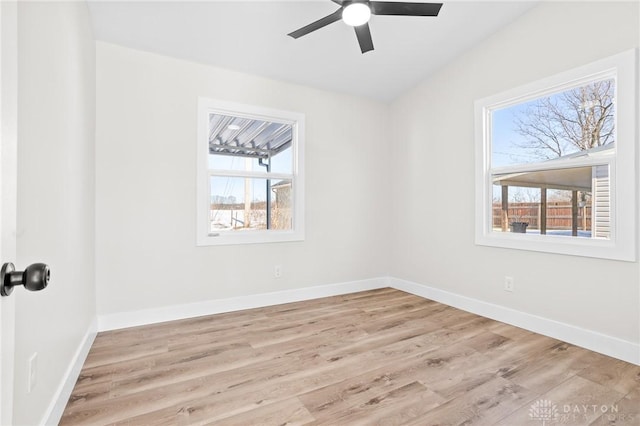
(356, 13)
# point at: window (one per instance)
(250, 180)
(555, 163)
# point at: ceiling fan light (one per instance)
(356, 14)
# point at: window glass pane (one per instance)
(555, 126)
(246, 204)
(572, 202)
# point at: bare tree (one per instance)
(575, 120)
(519, 194)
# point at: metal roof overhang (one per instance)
(245, 137)
(564, 177)
(573, 179)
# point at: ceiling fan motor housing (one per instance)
(358, 13)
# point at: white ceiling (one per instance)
(251, 36)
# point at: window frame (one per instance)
(204, 237)
(623, 174)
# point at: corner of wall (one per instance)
(589, 339)
(54, 412)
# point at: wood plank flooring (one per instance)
(376, 357)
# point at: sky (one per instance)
(506, 141)
(504, 137)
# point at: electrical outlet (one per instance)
(277, 271)
(33, 372)
(508, 284)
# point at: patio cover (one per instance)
(564, 177)
(245, 137)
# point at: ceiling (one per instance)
(251, 36)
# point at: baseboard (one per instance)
(218, 306)
(597, 342)
(58, 403)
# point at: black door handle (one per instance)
(34, 278)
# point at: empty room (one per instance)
(319, 212)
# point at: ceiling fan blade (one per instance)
(329, 19)
(406, 9)
(364, 38)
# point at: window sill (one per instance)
(571, 246)
(251, 237)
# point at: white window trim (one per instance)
(204, 237)
(622, 245)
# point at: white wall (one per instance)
(432, 242)
(8, 189)
(56, 131)
(146, 198)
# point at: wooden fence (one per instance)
(558, 215)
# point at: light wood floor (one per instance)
(377, 357)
